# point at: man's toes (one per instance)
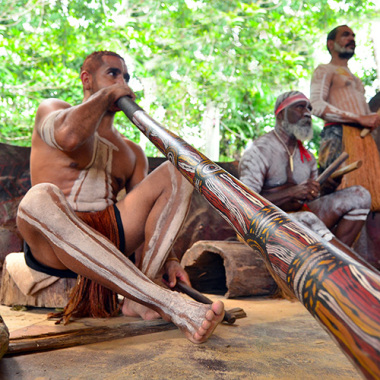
(218, 307)
(210, 315)
(216, 312)
(206, 324)
(151, 315)
(197, 338)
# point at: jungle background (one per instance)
(210, 71)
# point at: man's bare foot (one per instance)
(212, 318)
(133, 309)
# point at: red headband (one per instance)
(289, 101)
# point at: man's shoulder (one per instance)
(261, 145)
(265, 139)
(132, 152)
(53, 104)
(136, 148)
(330, 68)
(48, 106)
(53, 101)
(325, 67)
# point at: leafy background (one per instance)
(186, 57)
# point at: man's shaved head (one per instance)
(332, 35)
(94, 60)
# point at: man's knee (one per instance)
(353, 198)
(311, 221)
(363, 196)
(358, 203)
(34, 208)
(178, 181)
(36, 198)
(307, 218)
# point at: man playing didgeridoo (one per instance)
(337, 96)
(73, 224)
(278, 167)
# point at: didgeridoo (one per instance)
(342, 294)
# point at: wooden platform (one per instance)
(278, 340)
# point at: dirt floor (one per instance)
(278, 340)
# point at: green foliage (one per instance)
(182, 54)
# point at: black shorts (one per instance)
(31, 262)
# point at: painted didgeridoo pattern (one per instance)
(340, 293)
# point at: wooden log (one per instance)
(4, 337)
(53, 296)
(230, 268)
(88, 335)
(338, 291)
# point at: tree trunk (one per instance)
(210, 129)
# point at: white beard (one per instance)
(302, 130)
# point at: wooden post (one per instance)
(340, 293)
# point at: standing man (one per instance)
(337, 96)
(72, 222)
(278, 167)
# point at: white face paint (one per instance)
(344, 52)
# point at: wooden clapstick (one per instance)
(347, 169)
(332, 167)
(365, 131)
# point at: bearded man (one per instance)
(278, 167)
(337, 96)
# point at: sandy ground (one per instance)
(278, 340)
